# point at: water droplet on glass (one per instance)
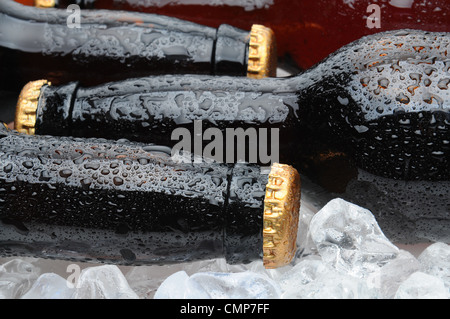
(383, 83)
(65, 173)
(86, 183)
(402, 98)
(93, 166)
(117, 181)
(443, 83)
(27, 164)
(8, 168)
(45, 176)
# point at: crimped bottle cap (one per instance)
(44, 3)
(281, 216)
(262, 53)
(25, 119)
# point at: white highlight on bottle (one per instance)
(401, 3)
(248, 5)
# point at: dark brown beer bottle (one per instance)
(375, 114)
(386, 97)
(132, 203)
(307, 30)
(107, 45)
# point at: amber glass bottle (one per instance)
(108, 45)
(382, 95)
(308, 30)
(132, 203)
(370, 123)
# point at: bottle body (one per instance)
(106, 46)
(123, 203)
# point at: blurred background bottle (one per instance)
(306, 30)
(38, 43)
(109, 45)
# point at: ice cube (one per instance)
(306, 271)
(174, 287)
(49, 286)
(435, 261)
(422, 286)
(218, 285)
(16, 278)
(331, 284)
(145, 279)
(243, 285)
(103, 282)
(305, 245)
(388, 278)
(257, 267)
(349, 239)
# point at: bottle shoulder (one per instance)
(386, 97)
(387, 72)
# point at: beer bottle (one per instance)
(308, 30)
(385, 97)
(94, 46)
(121, 202)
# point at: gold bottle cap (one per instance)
(27, 104)
(262, 53)
(281, 216)
(44, 3)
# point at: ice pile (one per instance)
(16, 277)
(101, 282)
(342, 254)
(214, 285)
(351, 258)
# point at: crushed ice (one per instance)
(343, 254)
